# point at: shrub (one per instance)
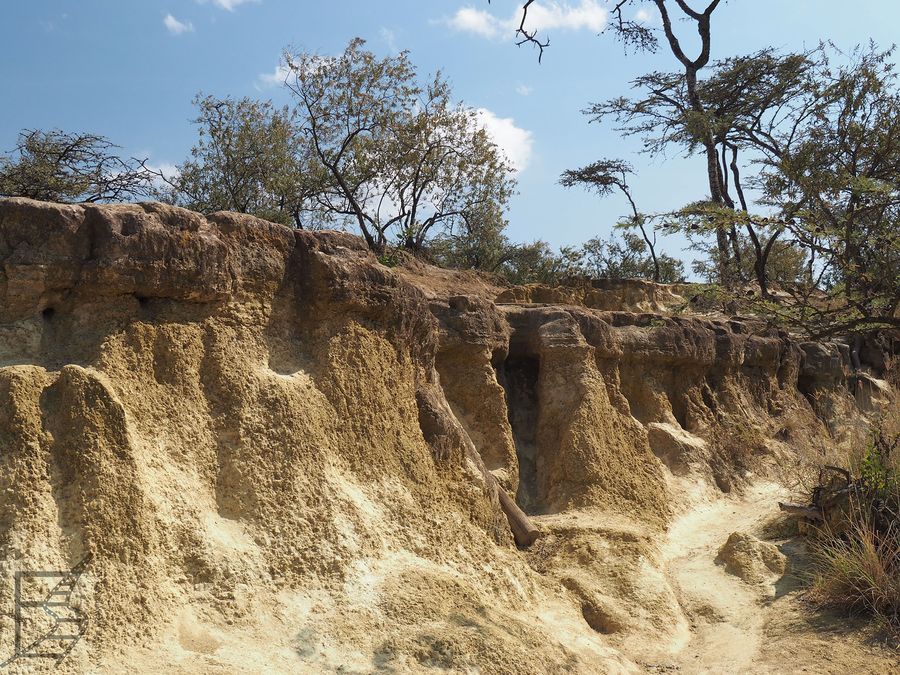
(856, 555)
(859, 570)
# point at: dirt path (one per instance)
(736, 627)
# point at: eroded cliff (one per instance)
(280, 453)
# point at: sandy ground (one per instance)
(736, 627)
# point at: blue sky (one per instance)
(128, 69)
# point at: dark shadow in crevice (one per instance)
(518, 375)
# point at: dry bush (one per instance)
(856, 557)
(859, 570)
(800, 475)
(806, 449)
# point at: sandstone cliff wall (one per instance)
(275, 449)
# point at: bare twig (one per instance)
(527, 36)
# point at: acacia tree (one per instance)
(638, 36)
(757, 104)
(249, 158)
(682, 108)
(840, 176)
(399, 157)
(824, 141)
(604, 177)
(746, 99)
(68, 167)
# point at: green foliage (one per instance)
(816, 136)
(249, 158)
(623, 258)
(604, 177)
(879, 470)
(874, 472)
(533, 263)
(64, 167)
(390, 257)
(786, 263)
(397, 156)
(840, 175)
(367, 145)
(472, 244)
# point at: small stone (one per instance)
(752, 560)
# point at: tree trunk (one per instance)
(715, 193)
(691, 67)
(713, 176)
(759, 268)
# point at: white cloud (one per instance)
(53, 24)
(645, 16)
(389, 38)
(176, 27)
(541, 16)
(524, 89)
(515, 142)
(229, 5)
(168, 170)
(587, 14)
(169, 175)
(478, 21)
(274, 79)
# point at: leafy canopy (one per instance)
(248, 158)
(64, 167)
(399, 157)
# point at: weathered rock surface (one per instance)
(675, 446)
(754, 561)
(604, 294)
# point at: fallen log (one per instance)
(801, 511)
(441, 430)
(832, 499)
(524, 531)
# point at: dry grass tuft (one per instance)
(856, 558)
(859, 571)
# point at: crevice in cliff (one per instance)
(518, 375)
